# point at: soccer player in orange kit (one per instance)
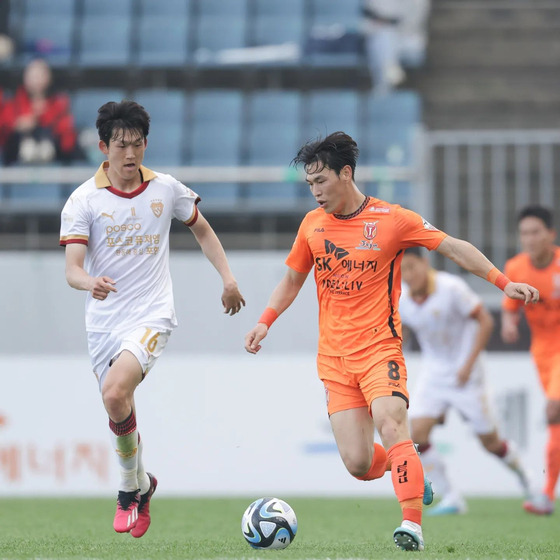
(540, 261)
(355, 244)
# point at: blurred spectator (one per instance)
(6, 44)
(395, 32)
(36, 125)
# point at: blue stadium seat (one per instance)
(397, 107)
(215, 33)
(332, 110)
(164, 105)
(277, 29)
(105, 41)
(166, 139)
(86, 102)
(328, 12)
(273, 139)
(179, 9)
(274, 127)
(388, 144)
(293, 8)
(48, 36)
(108, 9)
(40, 8)
(216, 127)
(223, 8)
(165, 144)
(163, 41)
(46, 194)
(396, 192)
(217, 195)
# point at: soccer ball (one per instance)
(269, 523)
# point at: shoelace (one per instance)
(125, 499)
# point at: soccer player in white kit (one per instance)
(115, 228)
(452, 328)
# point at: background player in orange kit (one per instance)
(540, 262)
(355, 244)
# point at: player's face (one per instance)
(329, 189)
(536, 239)
(414, 271)
(125, 153)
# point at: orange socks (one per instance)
(379, 464)
(552, 460)
(408, 479)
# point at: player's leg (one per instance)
(117, 392)
(451, 501)
(391, 420)
(552, 457)
(508, 454)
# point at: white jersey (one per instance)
(127, 238)
(443, 327)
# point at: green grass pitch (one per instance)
(328, 529)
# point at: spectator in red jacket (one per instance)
(37, 125)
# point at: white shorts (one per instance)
(432, 400)
(145, 343)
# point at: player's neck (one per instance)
(543, 260)
(124, 185)
(353, 204)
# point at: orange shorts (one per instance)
(358, 379)
(548, 366)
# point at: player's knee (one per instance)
(357, 465)
(116, 401)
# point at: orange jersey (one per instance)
(357, 262)
(543, 317)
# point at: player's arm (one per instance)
(471, 259)
(510, 326)
(485, 327)
(78, 278)
(280, 299)
(232, 300)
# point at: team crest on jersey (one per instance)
(157, 208)
(370, 229)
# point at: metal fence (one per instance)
(479, 180)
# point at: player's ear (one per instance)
(103, 147)
(346, 173)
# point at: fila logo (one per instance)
(402, 471)
(339, 253)
(319, 230)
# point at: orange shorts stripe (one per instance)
(357, 380)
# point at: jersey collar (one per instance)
(102, 180)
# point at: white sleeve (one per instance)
(186, 199)
(75, 221)
(464, 298)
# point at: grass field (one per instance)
(328, 529)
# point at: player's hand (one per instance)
(254, 337)
(510, 333)
(102, 286)
(232, 300)
(516, 290)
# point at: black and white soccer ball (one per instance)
(269, 523)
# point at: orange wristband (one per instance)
(498, 278)
(269, 316)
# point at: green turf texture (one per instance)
(328, 529)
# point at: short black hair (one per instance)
(335, 151)
(537, 211)
(123, 116)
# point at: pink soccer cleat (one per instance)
(126, 515)
(143, 523)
